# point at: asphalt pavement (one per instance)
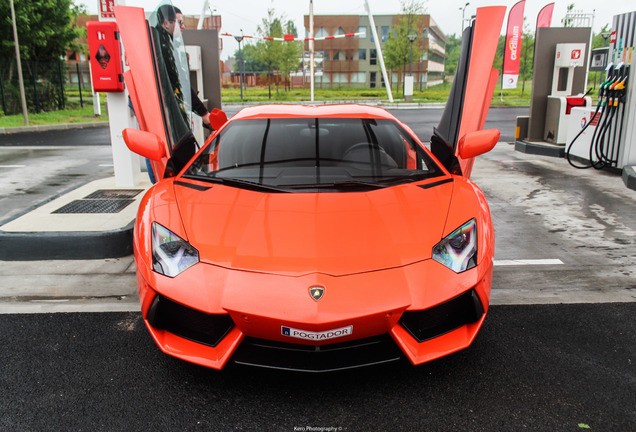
(537, 368)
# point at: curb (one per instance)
(45, 128)
(546, 149)
(79, 245)
(629, 177)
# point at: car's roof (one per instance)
(326, 111)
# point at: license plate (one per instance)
(316, 336)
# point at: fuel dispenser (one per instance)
(602, 130)
(561, 101)
(605, 136)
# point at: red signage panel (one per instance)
(105, 55)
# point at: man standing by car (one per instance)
(170, 17)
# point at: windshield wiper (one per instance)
(409, 178)
(238, 183)
(281, 162)
(348, 185)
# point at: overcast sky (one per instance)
(248, 14)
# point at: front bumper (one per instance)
(403, 328)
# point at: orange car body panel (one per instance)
(295, 234)
(486, 33)
(140, 79)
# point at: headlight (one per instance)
(171, 255)
(458, 251)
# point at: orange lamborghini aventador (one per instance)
(312, 238)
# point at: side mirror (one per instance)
(145, 144)
(479, 142)
(217, 118)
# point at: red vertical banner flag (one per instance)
(512, 49)
(544, 19)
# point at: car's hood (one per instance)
(300, 233)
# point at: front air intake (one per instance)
(188, 323)
(433, 322)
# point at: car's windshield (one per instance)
(299, 154)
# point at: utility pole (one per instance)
(311, 48)
(202, 16)
(387, 83)
(25, 114)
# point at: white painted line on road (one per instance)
(106, 165)
(527, 262)
(12, 166)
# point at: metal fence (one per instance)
(47, 86)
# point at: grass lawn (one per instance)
(437, 94)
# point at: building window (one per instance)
(358, 77)
(363, 30)
(339, 78)
(340, 31)
(385, 33)
(372, 79)
(373, 56)
(322, 32)
(339, 55)
(372, 38)
(362, 54)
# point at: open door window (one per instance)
(469, 99)
(158, 82)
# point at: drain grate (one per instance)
(101, 201)
(114, 194)
(95, 206)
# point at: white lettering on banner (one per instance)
(514, 42)
(317, 336)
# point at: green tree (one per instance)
(46, 28)
(249, 53)
(601, 39)
(567, 22)
(397, 50)
(270, 52)
(292, 51)
(453, 48)
(526, 65)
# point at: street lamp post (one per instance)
(463, 9)
(239, 39)
(412, 38)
